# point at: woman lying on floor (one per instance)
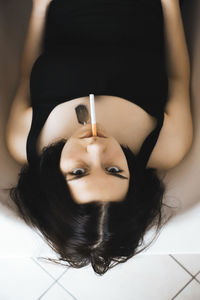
(94, 198)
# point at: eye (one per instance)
(113, 169)
(78, 171)
(81, 171)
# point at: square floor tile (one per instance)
(145, 277)
(22, 279)
(190, 261)
(190, 292)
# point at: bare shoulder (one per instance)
(174, 142)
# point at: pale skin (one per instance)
(102, 156)
(98, 158)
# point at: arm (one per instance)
(177, 132)
(32, 49)
(177, 58)
(33, 41)
(20, 115)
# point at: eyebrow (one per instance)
(116, 175)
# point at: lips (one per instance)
(88, 134)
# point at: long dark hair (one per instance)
(97, 233)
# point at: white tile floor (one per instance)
(144, 277)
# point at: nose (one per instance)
(95, 147)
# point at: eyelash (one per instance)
(77, 175)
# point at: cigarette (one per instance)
(93, 116)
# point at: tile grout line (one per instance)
(60, 286)
(197, 273)
(196, 276)
(55, 281)
(36, 262)
(178, 293)
(67, 291)
(193, 277)
(46, 290)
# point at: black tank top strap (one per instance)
(39, 117)
(150, 141)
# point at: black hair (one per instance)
(103, 234)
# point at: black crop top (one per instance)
(103, 47)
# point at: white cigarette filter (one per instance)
(93, 116)
(92, 109)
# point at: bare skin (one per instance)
(128, 123)
(176, 135)
(97, 157)
(101, 163)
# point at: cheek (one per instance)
(119, 155)
(116, 152)
(68, 155)
(71, 150)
